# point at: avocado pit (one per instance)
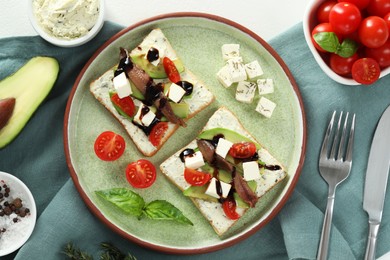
(7, 106)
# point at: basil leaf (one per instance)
(163, 210)
(347, 48)
(327, 41)
(125, 199)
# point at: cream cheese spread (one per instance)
(66, 19)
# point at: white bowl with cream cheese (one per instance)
(67, 23)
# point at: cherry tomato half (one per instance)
(171, 70)
(141, 174)
(345, 18)
(242, 150)
(157, 133)
(340, 65)
(196, 178)
(229, 207)
(381, 54)
(378, 7)
(366, 71)
(109, 146)
(126, 104)
(373, 32)
(324, 10)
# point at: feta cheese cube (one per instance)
(223, 147)
(122, 85)
(265, 107)
(266, 86)
(236, 70)
(253, 69)
(245, 91)
(224, 76)
(230, 51)
(213, 191)
(251, 170)
(194, 161)
(175, 93)
(144, 115)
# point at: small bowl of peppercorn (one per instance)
(17, 213)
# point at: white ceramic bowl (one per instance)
(18, 237)
(63, 42)
(309, 22)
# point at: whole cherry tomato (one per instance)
(324, 10)
(345, 18)
(381, 54)
(361, 4)
(340, 65)
(373, 32)
(378, 7)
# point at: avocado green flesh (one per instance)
(228, 134)
(199, 193)
(29, 86)
(156, 72)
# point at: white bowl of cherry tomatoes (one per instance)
(350, 39)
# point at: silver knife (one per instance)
(376, 180)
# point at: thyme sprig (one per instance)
(110, 252)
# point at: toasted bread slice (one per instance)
(173, 168)
(201, 97)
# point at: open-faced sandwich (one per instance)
(150, 92)
(225, 171)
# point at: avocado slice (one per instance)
(29, 86)
(199, 193)
(155, 72)
(228, 134)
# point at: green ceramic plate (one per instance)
(197, 38)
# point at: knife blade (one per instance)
(376, 180)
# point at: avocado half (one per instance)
(29, 86)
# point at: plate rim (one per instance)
(223, 244)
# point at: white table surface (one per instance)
(267, 18)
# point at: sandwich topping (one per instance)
(224, 167)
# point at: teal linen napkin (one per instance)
(293, 234)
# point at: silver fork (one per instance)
(335, 165)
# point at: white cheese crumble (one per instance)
(175, 93)
(230, 51)
(251, 170)
(266, 86)
(223, 147)
(212, 189)
(144, 118)
(245, 91)
(265, 107)
(66, 19)
(224, 76)
(253, 69)
(194, 161)
(122, 85)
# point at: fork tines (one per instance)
(344, 151)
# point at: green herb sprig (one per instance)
(330, 42)
(110, 252)
(133, 204)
